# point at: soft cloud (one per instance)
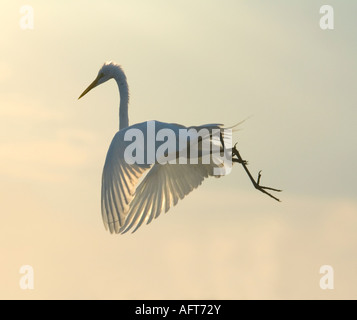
(195, 251)
(26, 153)
(198, 62)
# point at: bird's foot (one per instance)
(263, 188)
(240, 161)
(256, 183)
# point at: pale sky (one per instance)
(189, 62)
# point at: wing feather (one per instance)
(161, 189)
(119, 181)
(128, 203)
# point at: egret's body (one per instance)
(130, 198)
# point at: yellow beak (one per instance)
(90, 87)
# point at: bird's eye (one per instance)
(101, 75)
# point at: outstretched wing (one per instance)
(127, 202)
(161, 189)
(119, 181)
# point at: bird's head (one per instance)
(106, 72)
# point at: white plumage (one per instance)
(126, 203)
(136, 193)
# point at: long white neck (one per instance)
(122, 83)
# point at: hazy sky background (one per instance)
(190, 62)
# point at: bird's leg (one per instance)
(256, 184)
(239, 160)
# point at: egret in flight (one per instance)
(134, 193)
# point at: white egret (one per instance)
(130, 198)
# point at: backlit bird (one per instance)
(133, 192)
